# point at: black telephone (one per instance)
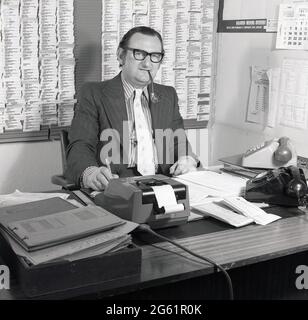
(284, 186)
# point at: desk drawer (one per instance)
(82, 276)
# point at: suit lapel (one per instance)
(158, 109)
(115, 108)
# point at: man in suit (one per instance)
(126, 119)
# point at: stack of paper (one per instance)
(233, 165)
(50, 229)
(235, 211)
(18, 197)
(100, 243)
(202, 184)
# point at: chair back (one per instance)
(64, 143)
(59, 179)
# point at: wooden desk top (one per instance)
(231, 248)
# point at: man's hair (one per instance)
(141, 29)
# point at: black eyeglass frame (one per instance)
(145, 53)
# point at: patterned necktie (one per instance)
(145, 156)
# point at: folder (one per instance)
(33, 209)
(39, 230)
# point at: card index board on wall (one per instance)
(49, 48)
(187, 28)
(37, 89)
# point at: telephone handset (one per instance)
(271, 154)
(284, 186)
(283, 153)
(297, 186)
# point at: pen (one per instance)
(108, 164)
(107, 161)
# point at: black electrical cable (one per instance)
(145, 227)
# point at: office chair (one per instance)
(59, 179)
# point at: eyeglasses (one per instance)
(140, 55)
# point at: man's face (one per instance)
(136, 72)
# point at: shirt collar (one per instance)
(129, 89)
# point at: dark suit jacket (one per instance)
(101, 105)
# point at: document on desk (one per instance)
(18, 197)
(112, 246)
(250, 210)
(207, 183)
(221, 212)
(103, 240)
(235, 210)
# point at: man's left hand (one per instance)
(183, 165)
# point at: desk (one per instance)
(261, 261)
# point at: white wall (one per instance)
(199, 139)
(230, 134)
(29, 166)
(236, 52)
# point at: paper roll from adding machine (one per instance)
(156, 200)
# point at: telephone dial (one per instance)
(284, 186)
(271, 154)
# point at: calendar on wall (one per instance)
(292, 30)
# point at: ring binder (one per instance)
(42, 232)
(45, 223)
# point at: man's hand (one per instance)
(97, 178)
(183, 165)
